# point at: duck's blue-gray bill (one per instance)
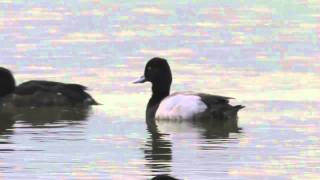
(142, 79)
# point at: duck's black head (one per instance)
(157, 71)
(7, 82)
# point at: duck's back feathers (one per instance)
(213, 99)
(30, 87)
(48, 93)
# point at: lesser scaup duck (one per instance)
(41, 93)
(181, 106)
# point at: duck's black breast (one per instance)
(47, 93)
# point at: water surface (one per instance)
(264, 53)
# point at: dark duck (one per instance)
(184, 105)
(37, 93)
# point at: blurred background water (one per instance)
(264, 53)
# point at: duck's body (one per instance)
(190, 106)
(41, 93)
(180, 106)
(185, 105)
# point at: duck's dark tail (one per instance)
(231, 113)
(238, 107)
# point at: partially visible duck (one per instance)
(163, 177)
(181, 106)
(41, 93)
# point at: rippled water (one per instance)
(266, 54)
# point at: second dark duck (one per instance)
(41, 93)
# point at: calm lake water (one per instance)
(265, 54)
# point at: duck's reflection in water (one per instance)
(39, 117)
(6, 123)
(42, 116)
(217, 129)
(158, 148)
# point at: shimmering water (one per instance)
(266, 54)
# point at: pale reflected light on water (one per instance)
(265, 54)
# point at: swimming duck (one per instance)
(184, 105)
(41, 93)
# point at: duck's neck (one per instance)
(8, 90)
(7, 82)
(158, 94)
